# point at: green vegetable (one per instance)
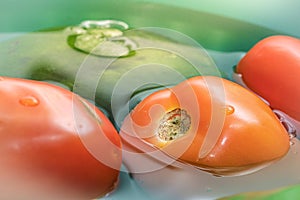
(111, 66)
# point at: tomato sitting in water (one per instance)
(271, 69)
(210, 123)
(54, 144)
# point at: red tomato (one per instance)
(54, 144)
(178, 120)
(271, 69)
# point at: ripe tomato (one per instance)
(243, 131)
(271, 69)
(54, 144)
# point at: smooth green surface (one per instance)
(48, 56)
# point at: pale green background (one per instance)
(281, 15)
(25, 15)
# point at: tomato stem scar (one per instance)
(174, 124)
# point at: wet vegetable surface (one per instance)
(54, 144)
(179, 120)
(48, 56)
(271, 69)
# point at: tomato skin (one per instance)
(271, 69)
(251, 135)
(48, 140)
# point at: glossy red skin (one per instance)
(42, 152)
(271, 69)
(251, 135)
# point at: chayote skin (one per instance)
(154, 60)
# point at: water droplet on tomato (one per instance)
(229, 110)
(29, 101)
